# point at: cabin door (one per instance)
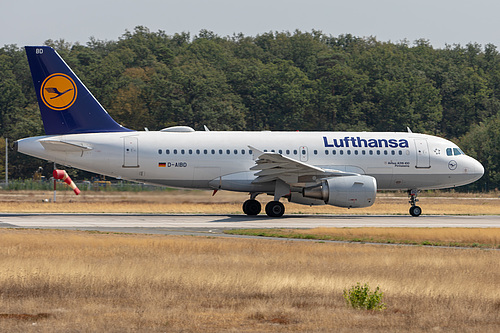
(131, 152)
(423, 156)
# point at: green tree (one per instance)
(483, 143)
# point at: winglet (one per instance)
(66, 105)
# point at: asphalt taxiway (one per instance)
(216, 224)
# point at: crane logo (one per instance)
(58, 92)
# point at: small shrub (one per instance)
(361, 297)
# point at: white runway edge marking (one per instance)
(118, 221)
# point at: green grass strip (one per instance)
(296, 234)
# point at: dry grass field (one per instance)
(67, 281)
(194, 202)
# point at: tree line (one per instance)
(274, 81)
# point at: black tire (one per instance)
(251, 207)
(415, 211)
(275, 209)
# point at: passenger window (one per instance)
(198, 151)
(175, 151)
(288, 152)
(371, 152)
(348, 152)
(280, 151)
(220, 152)
(341, 152)
(190, 152)
(205, 151)
(182, 151)
(243, 152)
(167, 151)
(235, 152)
(334, 152)
(385, 152)
(356, 152)
(378, 152)
(315, 152)
(250, 152)
(159, 151)
(363, 152)
(228, 152)
(393, 152)
(449, 152)
(326, 152)
(400, 152)
(213, 151)
(295, 152)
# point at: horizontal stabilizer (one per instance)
(65, 146)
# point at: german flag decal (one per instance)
(162, 165)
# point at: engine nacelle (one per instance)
(345, 191)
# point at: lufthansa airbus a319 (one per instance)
(343, 169)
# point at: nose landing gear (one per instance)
(414, 209)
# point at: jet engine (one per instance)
(345, 191)
(298, 198)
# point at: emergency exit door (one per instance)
(303, 154)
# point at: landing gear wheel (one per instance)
(415, 211)
(275, 209)
(251, 207)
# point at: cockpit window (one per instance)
(454, 152)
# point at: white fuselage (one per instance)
(222, 160)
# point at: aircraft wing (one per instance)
(274, 166)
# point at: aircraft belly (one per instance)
(421, 181)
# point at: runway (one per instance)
(216, 224)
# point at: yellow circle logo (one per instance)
(58, 91)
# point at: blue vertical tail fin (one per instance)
(66, 105)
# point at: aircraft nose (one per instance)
(476, 169)
(479, 169)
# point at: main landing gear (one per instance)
(252, 207)
(414, 209)
(275, 209)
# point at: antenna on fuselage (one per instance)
(409, 130)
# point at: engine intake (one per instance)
(345, 191)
